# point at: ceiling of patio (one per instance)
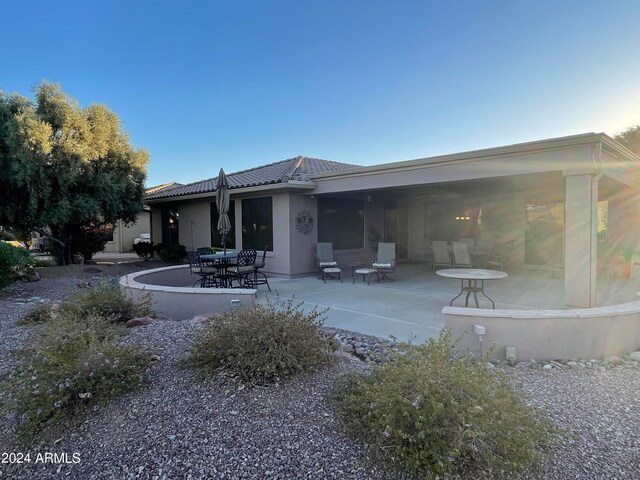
(546, 187)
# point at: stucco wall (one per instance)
(548, 334)
(195, 224)
(125, 234)
(302, 244)
(172, 295)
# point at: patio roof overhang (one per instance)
(591, 152)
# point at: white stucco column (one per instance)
(581, 239)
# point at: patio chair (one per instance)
(253, 281)
(207, 274)
(499, 257)
(244, 268)
(469, 241)
(461, 255)
(324, 257)
(441, 256)
(204, 250)
(385, 261)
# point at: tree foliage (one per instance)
(65, 166)
(630, 138)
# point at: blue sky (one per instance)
(208, 84)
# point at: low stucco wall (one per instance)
(173, 295)
(548, 334)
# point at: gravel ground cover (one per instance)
(179, 428)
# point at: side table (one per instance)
(355, 265)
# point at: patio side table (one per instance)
(354, 265)
(366, 272)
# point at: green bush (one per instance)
(75, 362)
(435, 414)
(39, 262)
(171, 253)
(90, 241)
(15, 263)
(144, 250)
(7, 236)
(262, 344)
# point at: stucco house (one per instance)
(558, 200)
(122, 235)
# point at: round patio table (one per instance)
(472, 276)
(221, 261)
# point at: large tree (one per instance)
(630, 138)
(66, 167)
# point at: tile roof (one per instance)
(159, 188)
(297, 168)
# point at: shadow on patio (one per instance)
(412, 305)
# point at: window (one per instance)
(544, 234)
(341, 221)
(216, 238)
(257, 223)
(170, 225)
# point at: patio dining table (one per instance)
(472, 276)
(220, 261)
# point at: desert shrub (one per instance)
(90, 241)
(39, 314)
(144, 250)
(109, 302)
(261, 344)
(171, 253)
(15, 263)
(75, 362)
(435, 413)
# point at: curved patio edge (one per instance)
(172, 300)
(548, 334)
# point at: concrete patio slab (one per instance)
(411, 306)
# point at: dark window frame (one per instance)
(341, 221)
(259, 233)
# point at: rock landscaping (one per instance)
(182, 428)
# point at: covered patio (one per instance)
(411, 306)
(567, 203)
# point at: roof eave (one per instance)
(484, 154)
(271, 187)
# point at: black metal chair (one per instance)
(244, 268)
(255, 281)
(207, 274)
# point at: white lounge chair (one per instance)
(441, 256)
(385, 261)
(461, 255)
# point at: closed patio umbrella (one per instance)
(222, 203)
